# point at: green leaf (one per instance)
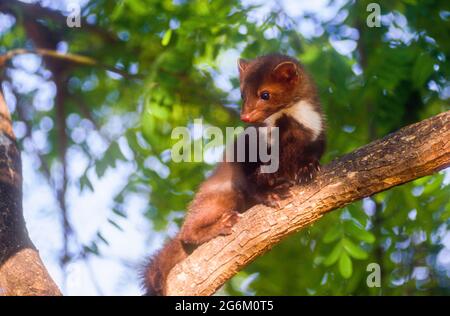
(85, 182)
(166, 38)
(446, 213)
(422, 69)
(112, 154)
(119, 212)
(345, 265)
(93, 248)
(118, 10)
(137, 7)
(354, 250)
(115, 152)
(358, 232)
(334, 255)
(433, 185)
(357, 212)
(100, 167)
(100, 236)
(112, 222)
(332, 234)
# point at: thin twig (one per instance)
(72, 58)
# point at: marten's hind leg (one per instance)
(199, 229)
(216, 206)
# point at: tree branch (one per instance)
(72, 58)
(21, 269)
(31, 10)
(412, 152)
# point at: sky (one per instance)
(115, 272)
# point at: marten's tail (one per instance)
(158, 268)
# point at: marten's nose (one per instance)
(245, 118)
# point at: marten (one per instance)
(276, 92)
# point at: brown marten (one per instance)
(276, 92)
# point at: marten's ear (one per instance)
(242, 65)
(285, 71)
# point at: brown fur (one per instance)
(236, 186)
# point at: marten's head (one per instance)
(270, 84)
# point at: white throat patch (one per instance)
(303, 112)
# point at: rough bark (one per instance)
(21, 269)
(412, 152)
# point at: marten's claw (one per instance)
(307, 172)
(230, 219)
(272, 200)
(227, 222)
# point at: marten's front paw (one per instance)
(227, 222)
(307, 172)
(274, 196)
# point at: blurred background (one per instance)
(93, 113)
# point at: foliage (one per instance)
(172, 53)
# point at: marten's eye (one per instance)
(265, 95)
(242, 96)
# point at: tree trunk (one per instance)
(414, 151)
(21, 269)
